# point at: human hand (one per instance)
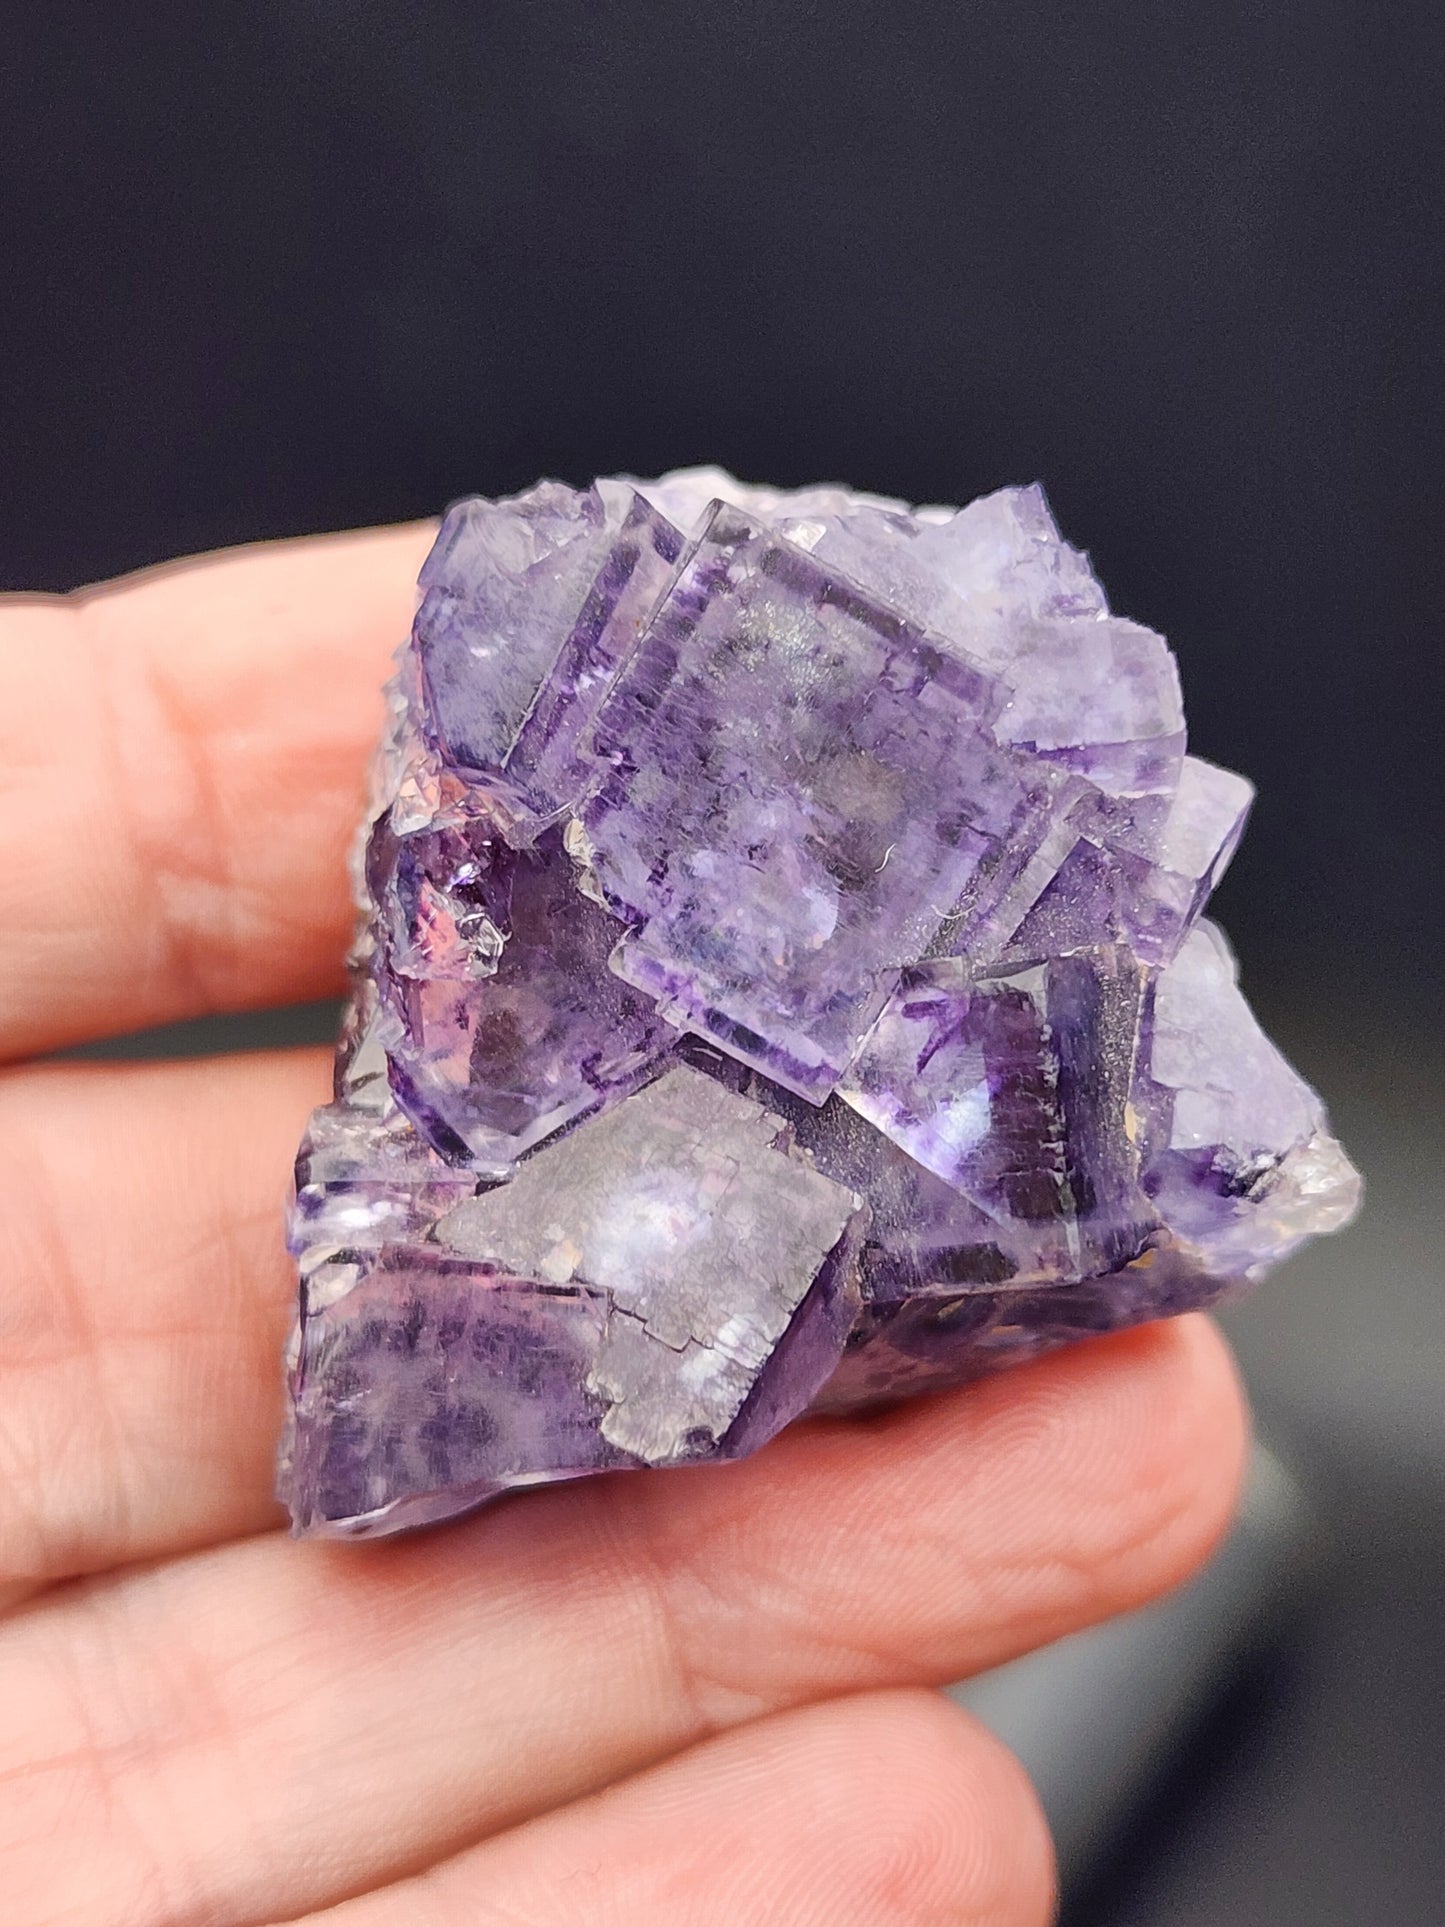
(694, 1699)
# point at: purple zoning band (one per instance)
(781, 986)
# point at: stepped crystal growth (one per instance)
(781, 988)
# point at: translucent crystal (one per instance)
(780, 987)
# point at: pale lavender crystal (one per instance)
(502, 588)
(687, 1213)
(798, 789)
(1142, 869)
(780, 988)
(1013, 1085)
(422, 1384)
(365, 1180)
(1087, 689)
(1235, 1158)
(626, 1300)
(552, 751)
(1242, 1165)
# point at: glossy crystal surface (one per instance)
(781, 986)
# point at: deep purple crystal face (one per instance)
(781, 987)
(509, 1024)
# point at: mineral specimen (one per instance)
(781, 987)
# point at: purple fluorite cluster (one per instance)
(781, 988)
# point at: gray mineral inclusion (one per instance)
(782, 986)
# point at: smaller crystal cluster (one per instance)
(781, 987)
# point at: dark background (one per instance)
(269, 268)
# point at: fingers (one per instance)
(181, 767)
(359, 1711)
(879, 1811)
(145, 1303)
(147, 1295)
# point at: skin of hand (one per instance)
(700, 1698)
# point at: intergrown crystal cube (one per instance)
(781, 987)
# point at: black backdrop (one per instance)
(269, 266)
(289, 266)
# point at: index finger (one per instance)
(182, 757)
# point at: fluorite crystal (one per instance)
(781, 987)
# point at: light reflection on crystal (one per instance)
(780, 987)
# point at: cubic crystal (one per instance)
(780, 987)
